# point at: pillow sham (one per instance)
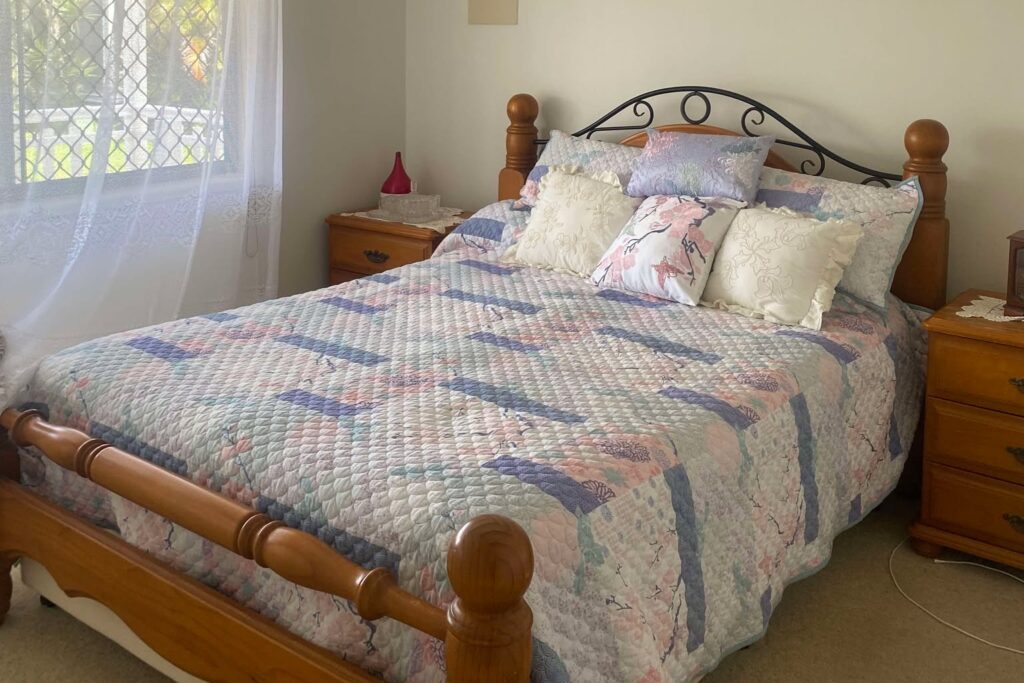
(667, 247)
(593, 156)
(887, 216)
(577, 216)
(700, 165)
(782, 266)
(493, 228)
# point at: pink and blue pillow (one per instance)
(592, 156)
(667, 248)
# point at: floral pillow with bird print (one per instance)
(667, 248)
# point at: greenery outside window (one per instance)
(132, 84)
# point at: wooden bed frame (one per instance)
(487, 629)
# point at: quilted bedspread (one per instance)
(675, 467)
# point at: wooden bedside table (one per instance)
(364, 246)
(973, 490)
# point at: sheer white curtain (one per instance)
(140, 166)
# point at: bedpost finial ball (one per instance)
(490, 564)
(523, 108)
(926, 139)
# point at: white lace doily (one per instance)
(989, 308)
(451, 217)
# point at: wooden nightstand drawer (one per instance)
(975, 439)
(976, 506)
(369, 252)
(361, 246)
(976, 372)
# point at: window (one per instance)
(136, 77)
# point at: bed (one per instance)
(432, 448)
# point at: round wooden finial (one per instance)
(523, 109)
(926, 139)
(490, 564)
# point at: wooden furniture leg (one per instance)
(6, 585)
(9, 469)
(925, 548)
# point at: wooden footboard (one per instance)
(486, 630)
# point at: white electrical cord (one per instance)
(939, 619)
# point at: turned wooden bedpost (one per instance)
(6, 584)
(520, 145)
(9, 469)
(921, 277)
(490, 565)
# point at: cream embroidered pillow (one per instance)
(781, 266)
(576, 218)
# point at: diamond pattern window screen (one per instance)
(136, 77)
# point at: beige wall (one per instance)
(853, 74)
(344, 117)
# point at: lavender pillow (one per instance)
(700, 165)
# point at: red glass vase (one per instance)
(398, 182)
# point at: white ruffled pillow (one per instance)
(577, 216)
(782, 266)
(667, 248)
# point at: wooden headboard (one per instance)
(921, 276)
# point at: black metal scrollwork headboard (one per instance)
(755, 115)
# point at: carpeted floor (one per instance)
(845, 624)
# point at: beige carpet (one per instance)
(846, 623)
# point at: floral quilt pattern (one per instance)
(675, 467)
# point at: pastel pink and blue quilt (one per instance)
(675, 467)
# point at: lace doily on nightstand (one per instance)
(445, 219)
(989, 308)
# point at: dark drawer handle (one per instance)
(1017, 452)
(1017, 382)
(375, 256)
(1016, 521)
